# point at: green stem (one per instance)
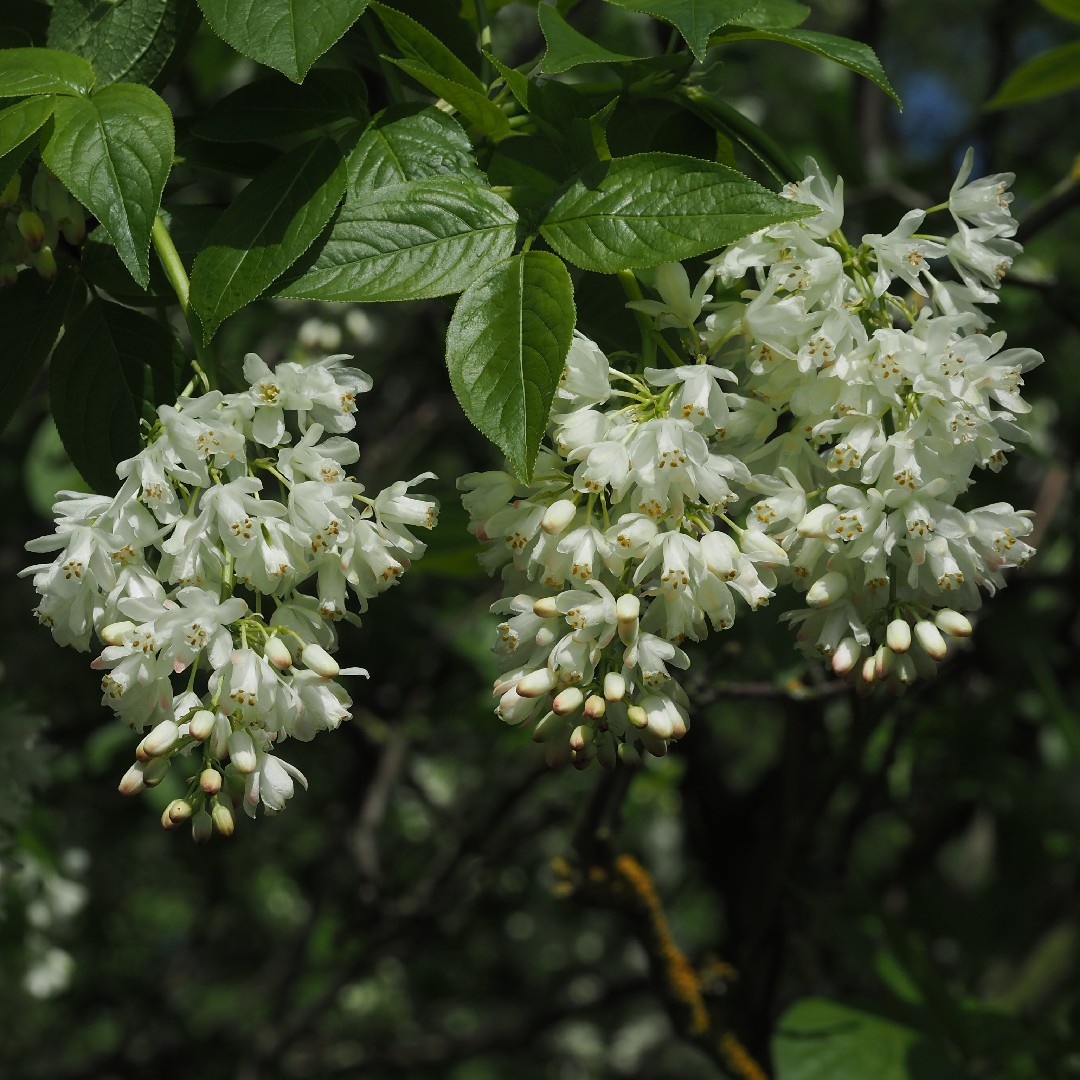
(483, 22)
(178, 279)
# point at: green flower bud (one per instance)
(32, 229)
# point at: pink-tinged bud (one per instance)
(242, 752)
(549, 727)
(952, 623)
(113, 634)
(210, 781)
(131, 783)
(929, 637)
(595, 707)
(827, 589)
(637, 716)
(513, 708)
(536, 683)
(898, 635)
(762, 549)
(569, 701)
(883, 661)
(869, 671)
(846, 656)
(817, 523)
(614, 686)
(277, 652)
(223, 820)
(547, 607)
(320, 661)
(580, 736)
(202, 827)
(201, 724)
(32, 229)
(179, 810)
(162, 739)
(558, 516)
(166, 821)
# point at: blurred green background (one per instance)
(900, 873)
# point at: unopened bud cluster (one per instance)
(215, 576)
(36, 213)
(812, 429)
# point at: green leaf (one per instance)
(113, 152)
(111, 366)
(474, 105)
(566, 48)
(1049, 73)
(506, 346)
(817, 1039)
(639, 211)
(411, 142)
(18, 122)
(32, 312)
(270, 224)
(283, 34)
(407, 242)
(774, 13)
(272, 107)
(416, 42)
(694, 19)
(43, 71)
(1067, 9)
(855, 55)
(132, 41)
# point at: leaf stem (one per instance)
(174, 270)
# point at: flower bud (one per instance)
(762, 549)
(627, 610)
(9, 274)
(827, 589)
(277, 652)
(222, 818)
(614, 686)
(904, 669)
(595, 707)
(201, 724)
(569, 701)
(846, 656)
(883, 661)
(113, 634)
(536, 683)
(549, 727)
(161, 739)
(929, 637)
(952, 623)
(637, 716)
(74, 229)
(202, 827)
(210, 781)
(869, 671)
(9, 196)
(242, 752)
(44, 262)
(898, 635)
(547, 607)
(320, 661)
(579, 737)
(558, 516)
(178, 810)
(32, 229)
(605, 752)
(131, 783)
(817, 523)
(545, 637)
(39, 190)
(628, 754)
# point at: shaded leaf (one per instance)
(411, 142)
(109, 370)
(407, 242)
(18, 122)
(505, 349)
(474, 105)
(1067, 9)
(646, 209)
(416, 42)
(694, 19)
(567, 48)
(1049, 73)
(43, 71)
(271, 107)
(32, 312)
(774, 13)
(282, 34)
(113, 152)
(855, 55)
(132, 41)
(271, 223)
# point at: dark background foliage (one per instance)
(913, 859)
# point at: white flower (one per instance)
(272, 784)
(902, 254)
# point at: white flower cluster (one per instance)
(215, 601)
(842, 404)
